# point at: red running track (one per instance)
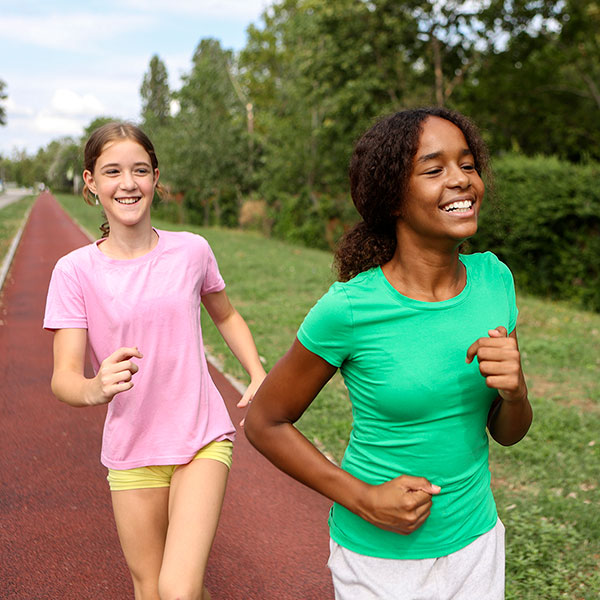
(57, 536)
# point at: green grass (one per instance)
(11, 217)
(546, 486)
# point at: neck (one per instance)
(129, 242)
(427, 274)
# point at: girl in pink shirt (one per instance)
(134, 297)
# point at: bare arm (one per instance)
(500, 363)
(236, 334)
(69, 383)
(400, 505)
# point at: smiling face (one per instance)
(444, 192)
(124, 181)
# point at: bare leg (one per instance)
(142, 520)
(196, 497)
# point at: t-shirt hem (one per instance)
(413, 554)
(54, 325)
(158, 461)
(316, 349)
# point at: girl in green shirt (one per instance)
(425, 339)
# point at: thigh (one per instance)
(359, 577)
(476, 571)
(195, 501)
(141, 516)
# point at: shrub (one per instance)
(546, 226)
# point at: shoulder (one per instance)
(484, 262)
(76, 259)
(336, 305)
(185, 241)
(182, 238)
(485, 268)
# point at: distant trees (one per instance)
(3, 96)
(156, 96)
(276, 122)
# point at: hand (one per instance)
(248, 395)
(500, 364)
(401, 505)
(115, 375)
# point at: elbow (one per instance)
(252, 428)
(55, 388)
(261, 431)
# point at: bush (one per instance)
(546, 226)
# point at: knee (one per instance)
(180, 590)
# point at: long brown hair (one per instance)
(110, 132)
(380, 168)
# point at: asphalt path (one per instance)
(57, 535)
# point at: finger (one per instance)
(496, 367)
(128, 365)
(472, 351)
(116, 378)
(502, 383)
(125, 353)
(499, 349)
(498, 330)
(245, 400)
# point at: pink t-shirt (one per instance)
(152, 302)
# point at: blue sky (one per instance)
(66, 62)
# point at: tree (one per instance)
(3, 96)
(156, 96)
(537, 92)
(206, 143)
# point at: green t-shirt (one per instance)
(418, 408)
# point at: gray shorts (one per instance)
(474, 573)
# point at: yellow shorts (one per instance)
(160, 475)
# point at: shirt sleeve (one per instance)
(213, 282)
(327, 329)
(65, 305)
(509, 286)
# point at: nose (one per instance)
(127, 181)
(459, 178)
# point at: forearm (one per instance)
(510, 421)
(291, 452)
(238, 337)
(72, 388)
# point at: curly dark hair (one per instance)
(379, 172)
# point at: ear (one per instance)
(89, 181)
(156, 176)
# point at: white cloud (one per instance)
(17, 110)
(50, 123)
(77, 32)
(232, 9)
(67, 102)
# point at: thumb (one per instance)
(246, 399)
(498, 332)
(421, 484)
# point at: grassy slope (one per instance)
(11, 217)
(546, 486)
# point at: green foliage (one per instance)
(3, 96)
(206, 148)
(547, 226)
(156, 96)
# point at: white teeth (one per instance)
(461, 206)
(126, 200)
